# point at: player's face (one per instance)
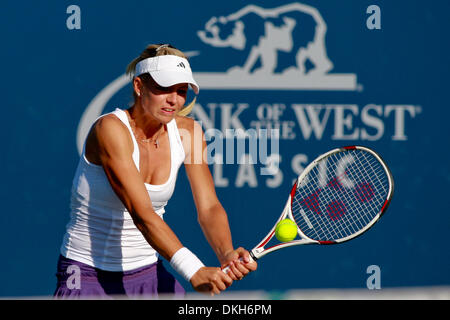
(163, 103)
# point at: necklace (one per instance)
(155, 142)
(148, 140)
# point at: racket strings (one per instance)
(340, 196)
(322, 228)
(362, 219)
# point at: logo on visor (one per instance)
(281, 48)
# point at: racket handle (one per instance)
(227, 268)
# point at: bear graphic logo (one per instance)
(295, 30)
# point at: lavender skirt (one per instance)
(79, 280)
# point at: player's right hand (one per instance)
(210, 280)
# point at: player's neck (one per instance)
(144, 123)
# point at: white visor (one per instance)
(167, 70)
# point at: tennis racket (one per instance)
(338, 197)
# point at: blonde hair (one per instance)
(155, 50)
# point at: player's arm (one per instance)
(211, 215)
(115, 150)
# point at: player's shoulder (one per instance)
(187, 123)
(110, 127)
(108, 122)
(108, 134)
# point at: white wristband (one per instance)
(185, 263)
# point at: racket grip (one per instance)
(227, 268)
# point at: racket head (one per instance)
(335, 199)
(341, 194)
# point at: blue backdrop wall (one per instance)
(374, 77)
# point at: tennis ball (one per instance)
(286, 230)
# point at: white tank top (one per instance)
(101, 232)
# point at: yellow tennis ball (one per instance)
(286, 230)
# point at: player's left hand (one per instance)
(240, 263)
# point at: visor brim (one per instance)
(168, 78)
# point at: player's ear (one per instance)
(137, 85)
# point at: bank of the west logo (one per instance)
(263, 34)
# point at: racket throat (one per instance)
(256, 253)
(253, 256)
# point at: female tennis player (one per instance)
(125, 177)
